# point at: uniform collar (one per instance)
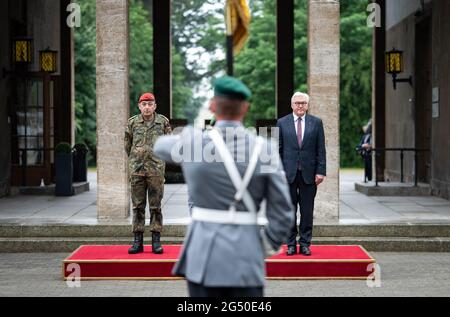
(140, 118)
(228, 123)
(157, 119)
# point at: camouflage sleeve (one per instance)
(167, 127)
(128, 139)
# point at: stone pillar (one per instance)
(323, 83)
(112, 108)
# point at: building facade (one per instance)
(36, 106)
(414, 115)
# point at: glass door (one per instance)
(31, 125)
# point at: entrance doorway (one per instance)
(32, 113)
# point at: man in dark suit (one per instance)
(302, 150)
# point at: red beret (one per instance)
(147, 96)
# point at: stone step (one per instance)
(378, 244)
(378, 230)
(383, 230)
(67, 244)
(78, 188)
(391, 244)
(393, 189)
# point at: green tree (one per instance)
(255, 65)
(356, 78)
(141, 67)
(85, 79)
(196, 31)
(198, 28)
(141, 53)
(141, 71)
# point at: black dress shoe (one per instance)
(305, 251)
(292, 249)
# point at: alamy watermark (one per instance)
(374, 18)
(192, 146)
(74, 278)
(74, 18)
(374, 278)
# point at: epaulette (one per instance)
(164, 117)
(132, 118)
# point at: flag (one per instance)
(237, 22)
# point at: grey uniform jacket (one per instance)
(224, 255)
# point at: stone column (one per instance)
(323, 83)
(112, 108)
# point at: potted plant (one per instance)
(63, 170)
(80, 165)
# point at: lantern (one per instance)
(22, 50)
(394, 62)
(394, 66)
(48, 60)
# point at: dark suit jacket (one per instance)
(311, 155)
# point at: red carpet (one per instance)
(113, 262)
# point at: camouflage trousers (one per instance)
(141, 188)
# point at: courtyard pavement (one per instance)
(401, 274)
(355, 208)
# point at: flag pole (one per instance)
(229, 44)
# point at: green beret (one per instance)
(231, 88)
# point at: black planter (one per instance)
(80, 166)
(63, 174)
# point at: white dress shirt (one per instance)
(296, 124)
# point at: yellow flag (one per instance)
(238, 21)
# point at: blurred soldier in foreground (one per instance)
(224, 249)
(146, 171)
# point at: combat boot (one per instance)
(156, 243)
(138, 244)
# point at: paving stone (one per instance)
(402, 274)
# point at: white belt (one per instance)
(226, 217)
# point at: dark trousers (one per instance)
(368, 168)
(198, 290)
(302, 195)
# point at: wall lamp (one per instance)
(394, 66)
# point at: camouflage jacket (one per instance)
(140, 136)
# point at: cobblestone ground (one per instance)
(402, 274)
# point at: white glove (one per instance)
(267, 246)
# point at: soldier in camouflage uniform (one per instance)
(146, 171)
